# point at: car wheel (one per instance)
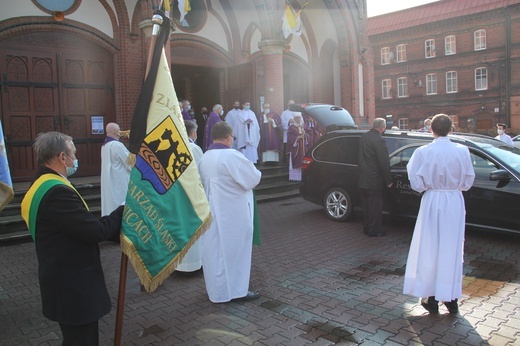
(337, 204)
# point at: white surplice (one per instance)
(285, 117)
(247, 137)
(442, 170)
(192, 261)
(228, 178)
(115, 175)
(231, 119)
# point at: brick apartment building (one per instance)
(458, 57)
(75, 65)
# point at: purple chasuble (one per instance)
(212, 120)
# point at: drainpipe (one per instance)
(508, 67)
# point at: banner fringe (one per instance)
(151, 283)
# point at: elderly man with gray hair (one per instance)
(374, 175)
(214, 117)
(66, 236)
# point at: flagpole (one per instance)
(157, 21)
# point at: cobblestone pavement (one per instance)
(322, 283)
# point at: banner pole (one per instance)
(121, 299)
(157, 22)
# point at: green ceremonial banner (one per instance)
(166, 209)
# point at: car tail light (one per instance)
(307, 160)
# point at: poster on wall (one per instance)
(97, 124)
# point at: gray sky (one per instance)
(378, 7)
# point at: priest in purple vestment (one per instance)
(214, 117)
(312, 129)
(297, 146)
(270, 125)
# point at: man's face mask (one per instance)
(74, 168)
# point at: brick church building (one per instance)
(75, 65)
(459, 57)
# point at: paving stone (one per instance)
(322, 283)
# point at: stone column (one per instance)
(273, 72)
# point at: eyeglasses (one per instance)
(234, 138)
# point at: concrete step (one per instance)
(276, 187)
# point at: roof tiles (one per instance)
(432, 12)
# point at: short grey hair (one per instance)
(217, 106)
(190, 126)
(379, 123)
(221, 130)
(49, 145)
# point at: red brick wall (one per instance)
(467, 103)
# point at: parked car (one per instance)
(330, 178)
(516, 141)
(329, 117)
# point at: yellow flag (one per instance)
(291, 23)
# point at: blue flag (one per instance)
(6, 185)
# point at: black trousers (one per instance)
(372, 207)
(83, 335)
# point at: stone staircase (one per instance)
(275, 185)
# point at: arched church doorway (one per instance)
(295, 81)
(54, 82)
(200, 85)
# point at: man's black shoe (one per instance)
(453, 306)
(430, 304)
(249, 296)
(380, 234)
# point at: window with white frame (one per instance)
(451, 82)
(385, 55)
(403, 123)
(402, 87)
(481, 82)
(386, 85)
(429, 48)
(401, 53)
(480, 39)
(450, 45)
(431, 84)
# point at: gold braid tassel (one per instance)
(130, 160)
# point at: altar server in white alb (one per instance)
(247, 132)
(115, 171)
(442, 170)
(228, 178)
(192, 261)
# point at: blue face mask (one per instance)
(74, 168)
(247, 108)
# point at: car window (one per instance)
(395, 143)
(338, 150)
(482, 166)
(509, 155)
(401, 159)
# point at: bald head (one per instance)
(112, 130)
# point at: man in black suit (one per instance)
(374, 175)
(201, 119)
(66, 236)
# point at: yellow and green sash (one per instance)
(33, 197)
